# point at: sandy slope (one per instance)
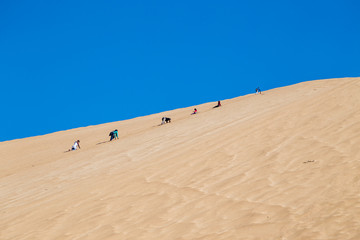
(282, 165)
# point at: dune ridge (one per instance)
(281, 165)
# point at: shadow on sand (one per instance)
(102, 142)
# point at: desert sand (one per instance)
(281, 165)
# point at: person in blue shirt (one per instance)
(257, 90)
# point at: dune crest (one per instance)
(281, 165)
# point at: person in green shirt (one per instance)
(116, 136)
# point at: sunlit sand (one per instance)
(284, 164)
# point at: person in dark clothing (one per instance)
(165, 120)
(112, 135)
(218, 105)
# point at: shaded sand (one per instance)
(282, 165)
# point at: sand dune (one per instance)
(281, 165)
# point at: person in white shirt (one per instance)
(76, 145)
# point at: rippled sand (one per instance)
(281, 165)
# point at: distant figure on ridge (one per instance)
(195, 111)
(75, 146)
(218, 105)
(165, 120)
(257, 90)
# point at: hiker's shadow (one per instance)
(102, 142)
(160, 125)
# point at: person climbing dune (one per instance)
(75, 146)
(257, 90)
(112, 135)
(218, 105)
(116, 134)
(165, 120)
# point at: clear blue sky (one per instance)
(68, 64)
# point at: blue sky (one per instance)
(68, 64)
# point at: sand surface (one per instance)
(281, 165)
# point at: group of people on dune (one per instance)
(168, 120)
(114, 134)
